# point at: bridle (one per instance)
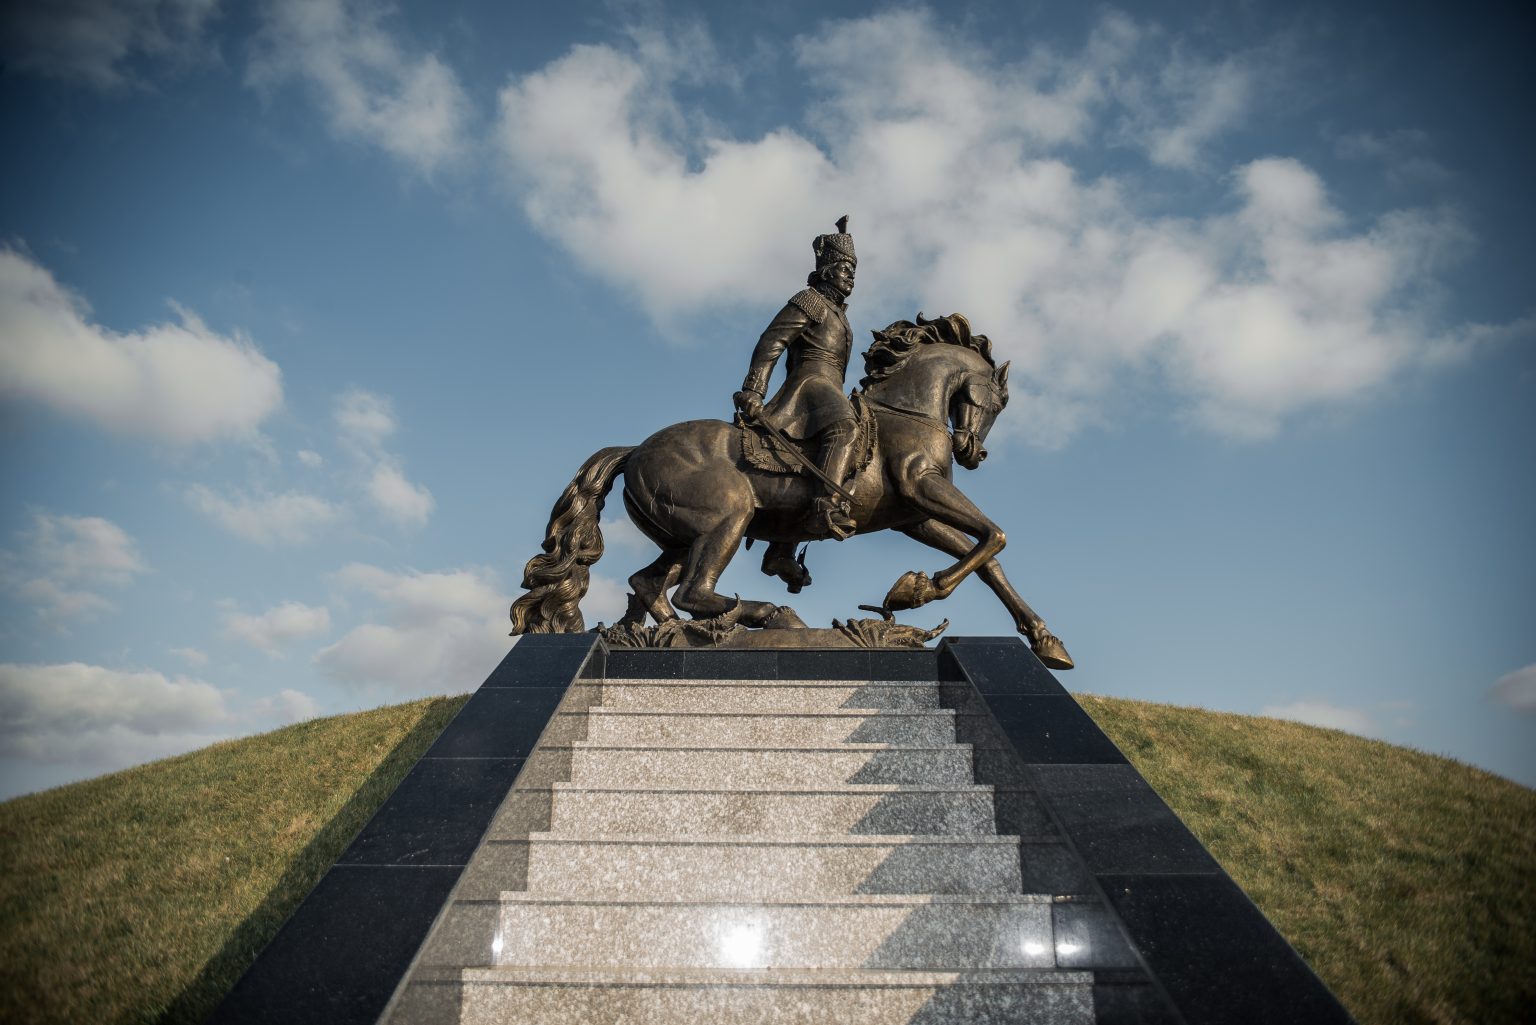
(958, 436)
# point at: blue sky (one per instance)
(308, 311)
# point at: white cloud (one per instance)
(406, 503)
(366, 421)
(431, 633)
(287, 706)
(619, 532)
(1517, 689)
(85, 548)
(965, 195)
(55, 602)
(606, 600)
(91, 41)
(372, 86)
(1327, 714)
(311, 458)
(191, 656)
(64, 560)
(275, 627)
(1404, 152)
(69, 721)
(290, 518)
(104, 717)
(1205, 99)
(179, 382)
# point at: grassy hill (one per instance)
(1407, 881)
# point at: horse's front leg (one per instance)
(946, 504)
(947, 539)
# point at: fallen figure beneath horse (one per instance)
(932, 391)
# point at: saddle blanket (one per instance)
(762, 450)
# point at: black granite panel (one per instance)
(1087, 936)
(998, 766)
(1052, 868)
(1052, 730)
(436, 815)
(1004, 667)
(544, 660)
(1216, 955)
(646, 664)
(338, 959)
(596, 666)
(1019, 813)
(903, 665)
(825, 664)
(994, 641)
(1137, 1002)
(1118, 822)
(498, 722)
(728, 664)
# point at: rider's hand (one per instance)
(750, 403)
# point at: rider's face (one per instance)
(840, 275)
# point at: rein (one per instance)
(922, 418)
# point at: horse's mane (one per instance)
(896, 344)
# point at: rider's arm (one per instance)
(786, 327)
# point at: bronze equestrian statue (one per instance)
(929, 397)
(811, 406)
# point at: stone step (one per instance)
(757, 695)
(595, 765)
(883, 932)
(957, 809)
(616, 867)
(549, 996)
(627, 727)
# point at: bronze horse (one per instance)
(935, 392)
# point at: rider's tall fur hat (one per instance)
(830, 249)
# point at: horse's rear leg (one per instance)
(707, 558)
(651, 583)
(954, 542)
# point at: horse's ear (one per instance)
(1002, 373)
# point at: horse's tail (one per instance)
(557, 580)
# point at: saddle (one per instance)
(763, 452)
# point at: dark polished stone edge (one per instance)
(341, 954)
(1209, 951)
(773, 663)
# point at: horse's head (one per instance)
(939, 369)
(981, 395)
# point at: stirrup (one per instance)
(829, 517)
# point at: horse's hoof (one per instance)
(785, 618)
(912, 591)
(1052, 652)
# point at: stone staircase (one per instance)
(780, 851)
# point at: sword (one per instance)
(799, 457)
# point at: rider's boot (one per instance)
(830, 515)
(779, 561)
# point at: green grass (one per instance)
(141, 896)
(1407, 881)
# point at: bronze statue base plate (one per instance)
(725, 632)
(810, 637)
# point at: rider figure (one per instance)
(813, 328)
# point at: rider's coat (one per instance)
(814, 330)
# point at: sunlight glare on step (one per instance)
(1034, 948)
(741, 944)
(496, 948)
